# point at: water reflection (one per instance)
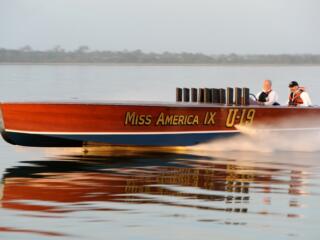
(171, 179)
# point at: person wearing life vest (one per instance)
(298, 97)
(267, 96)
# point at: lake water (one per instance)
(240, 189)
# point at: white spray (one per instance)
(263, 140)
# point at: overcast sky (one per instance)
(207, 26)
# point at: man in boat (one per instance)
(267, 96)
(298, 96)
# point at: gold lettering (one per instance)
(148, 120)
(231, 118)
(133, 119)
(130, 116)
(211, 118)
(250, 116)
(243, 116)
(205, 119)
(189, 120)
(141, 120)
(168, 120)
(160, 120)
(185, 119)
(196, 120)
(175, 120)
(180, 121)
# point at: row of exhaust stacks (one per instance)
(229, 96)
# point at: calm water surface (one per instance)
(246, 191)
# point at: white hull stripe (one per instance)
(160, 133)
(119, 133)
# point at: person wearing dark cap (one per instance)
(298, 96)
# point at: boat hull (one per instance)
(76, 140)
(75, 124)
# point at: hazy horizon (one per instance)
(210, 27)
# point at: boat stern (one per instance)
(28, 139)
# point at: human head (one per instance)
(294, 86)
(267, 85)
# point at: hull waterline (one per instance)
(77, 124)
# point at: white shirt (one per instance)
(271, 99)
(306, 100)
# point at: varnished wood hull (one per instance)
(74, 124)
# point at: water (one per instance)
(152, 83)
(247, 188)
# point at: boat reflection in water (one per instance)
(203, 188)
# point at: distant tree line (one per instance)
(84, 55)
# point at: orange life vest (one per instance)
(295, 98)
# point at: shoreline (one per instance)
(154, 64)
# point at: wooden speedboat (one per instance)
(68, 124)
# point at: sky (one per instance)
(206, 26)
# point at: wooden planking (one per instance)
(111, 118)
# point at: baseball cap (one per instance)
(293, 84)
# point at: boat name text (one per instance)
(233, 117)
(135, 119)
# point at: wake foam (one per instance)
(262, 140)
